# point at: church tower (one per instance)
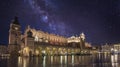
(82, 39)
(14, 37)
(15, 32)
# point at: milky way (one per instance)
(98, 19)
(46, 11)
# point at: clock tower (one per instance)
(14, 37)
(15, 32)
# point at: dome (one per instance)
(29, 33)
(15, 21)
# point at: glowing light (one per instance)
(44, 61)
(73, 39)
(43, 51)
(72, 59)
(65, 59)
(112, 49)
(51, 59)
(114, 60)
(37, 52)
(26, 51)
(25, 62)
(61, 59)
(36, 38)
(115, 50)
(19, 61)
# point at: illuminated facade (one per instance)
(116, 47)
(78, 41)
(37, 42)
(106, 48)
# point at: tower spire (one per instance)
(28, 27)
(15, 21)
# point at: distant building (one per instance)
(88, 45)
(106, 48)
(116, 47)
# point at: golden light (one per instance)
(26, 51)
(37, 52)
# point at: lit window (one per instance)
(36, 38)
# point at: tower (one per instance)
(14, 37)
(29, 41)
(82, 40)
(82, 36)
(15, 32)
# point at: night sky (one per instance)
(98, 19)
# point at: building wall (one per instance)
(3, 49)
